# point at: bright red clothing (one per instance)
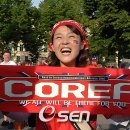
(54, 125)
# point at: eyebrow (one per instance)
(68, 33)
(58, 34)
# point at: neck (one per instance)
(67, 65)
(6, 61)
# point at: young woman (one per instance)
(67, 48)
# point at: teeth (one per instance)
(66, 50)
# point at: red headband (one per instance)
(69, 22)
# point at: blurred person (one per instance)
(94, 61)
(21, 118)
(120, 121)
(1, 59)
(99, 66)
(39, 62)
(7, 61)
(125, 65)
(26, 63)
(44, 61)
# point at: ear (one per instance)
(82, 45)
(50, 48)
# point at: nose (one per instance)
(65, 40)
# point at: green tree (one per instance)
(13, 21)
(53, 11)
(18, 21)
(32, 38)
(110, 26)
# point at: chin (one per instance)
(68, 64)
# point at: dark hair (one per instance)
(26, 62)
(125, 65)
(1, 58)
(6, 51)
(81, 59)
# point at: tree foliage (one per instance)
(53, 11)
(18, 21)
(108, 21)
(14, 20)
(110, 26)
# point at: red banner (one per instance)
(98, 90)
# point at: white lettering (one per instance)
(76, 116)
(92, 90)
(42, 113)
(117, 90)
(77, 92)
(63, 116)
(39, 87)
(64, 90)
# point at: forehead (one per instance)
(63, 29)
(6, 53)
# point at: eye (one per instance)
(72, 36)
(57, 37)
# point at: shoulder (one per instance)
(1, 63)
(12, 63)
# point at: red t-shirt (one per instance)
(54, 125)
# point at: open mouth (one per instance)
(65, 50)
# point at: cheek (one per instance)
(78, 45)
(54, 47)
(76, 42)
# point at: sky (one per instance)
(36, 2)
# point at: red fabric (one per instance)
(54, 125)
(12, 73)
(39, 124)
